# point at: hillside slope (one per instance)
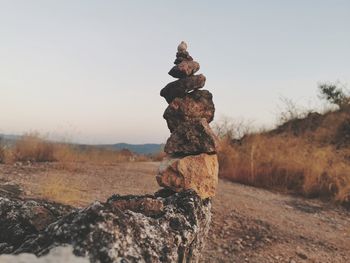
(308, 156)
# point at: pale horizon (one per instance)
(91, 72)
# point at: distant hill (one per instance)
(148, 148)
(9, 139)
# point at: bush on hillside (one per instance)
(308, 154)
(333, 93)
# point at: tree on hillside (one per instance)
(333, 93)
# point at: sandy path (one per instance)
(249, 224)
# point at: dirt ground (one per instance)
(249, 224)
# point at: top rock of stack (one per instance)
(185, 66)
(184, 70)
(182, 47)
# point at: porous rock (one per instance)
(119, 231)
(20, 219)
(195, 105)
(197, 172)
(184, 69)
(179, 88)
(191, 137)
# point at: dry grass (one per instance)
(158, 157)
(301, 158)
(69, 153)
(60, 190)
(34, 148)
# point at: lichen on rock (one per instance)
(105, 233)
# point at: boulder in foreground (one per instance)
(165, 227)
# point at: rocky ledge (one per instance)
(164, 227)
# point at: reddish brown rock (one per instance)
(147, 205)
(182, 56)
(184, 69)
(196, 172)
(179, 88)
(191, 137)
(195, 105)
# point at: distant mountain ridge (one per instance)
(147, 148)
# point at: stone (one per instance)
(179, 88)
(195, 105)
(147, 206)
(111, 232)
(180, 59)
(184, 69)
(191, 137)
(301, 253)
(197, 172)
(182, 56)
(20, 219)
(182, 47)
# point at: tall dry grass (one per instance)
(309, 162)
(33, 147)
(74, 154)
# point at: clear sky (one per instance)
(91, 71)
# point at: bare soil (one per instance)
(249, 224)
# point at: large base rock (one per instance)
(165, 227)
(197, 172)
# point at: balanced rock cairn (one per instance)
(164, 227)
(191, 161)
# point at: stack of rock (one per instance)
(164, 227)
(191, 161)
